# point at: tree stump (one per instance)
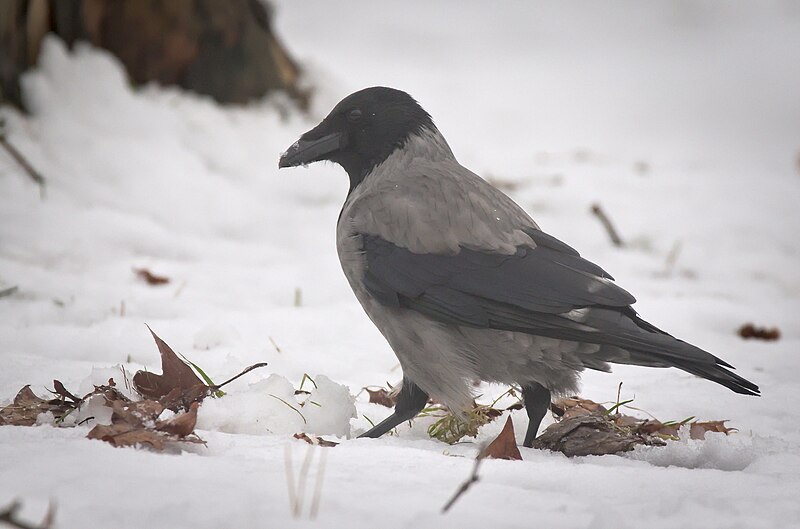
(225, 49)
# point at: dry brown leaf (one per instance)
(505, 445)
(382, 396)
(136, 413)
(567, 407)
(697, 430)
(182, 399)
(150, 278)
(110, 392)
(61, 390)
(123, 434)
(586, 428)
(182, 424)
(314, 440)
(136, 423)
(177, 386)
(748, 330)
(589, 435)
(26, 408)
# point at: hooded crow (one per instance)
(462, 283)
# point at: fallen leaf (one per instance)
(382, 396)
(123, 434)
(697, 430)
(61, 390)
(314, 440)
(136, 413)
(748, 330)
(136, 423)
(589, 435)
(182, 424)
(178, 386)
(568, 407)
(26, 408)
(149, 277)
(505, 445)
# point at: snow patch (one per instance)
(717, 450)
(271, 406)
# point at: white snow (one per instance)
(682, 119)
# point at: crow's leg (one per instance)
(537, 401)
(410, 402)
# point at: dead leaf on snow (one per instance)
(61, 390)
(136, 423)
(150, 278)
(181, 424)
(382, 396)
(178, 386)
(123, 434)
(587, 428)
(697, 430)
(748, 330)
(505, 445)
(26, 408)
(314, 440)
(589, 435)
(568, 407)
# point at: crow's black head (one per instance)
(360, 132)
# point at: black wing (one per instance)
(551, 278)
(549, 290)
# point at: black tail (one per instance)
(691, 359)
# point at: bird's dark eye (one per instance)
(354, 115)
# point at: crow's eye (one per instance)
(354, 115)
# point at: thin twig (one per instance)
(8, 291)
(672, 258)
(301, 481)
(278, 349)
(473, 478)
(598, 212)
(246, 370)
(9, 516)
(318, 485)
(290, 478)
(18, 157)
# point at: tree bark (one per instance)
(225, 49)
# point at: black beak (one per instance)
(305, 151)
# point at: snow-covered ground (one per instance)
(682, 119)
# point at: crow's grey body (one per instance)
(393, 203)
(461, 281)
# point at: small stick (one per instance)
(247, 370)
(318, 485)
(290, 479)
(8, 291)
(275, 345)
(300, 494)
(473, 478)
(18, 157)
(598, 212)
(9, 516)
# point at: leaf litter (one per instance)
(133, 422)
(582, 427)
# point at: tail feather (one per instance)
(690, 361)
